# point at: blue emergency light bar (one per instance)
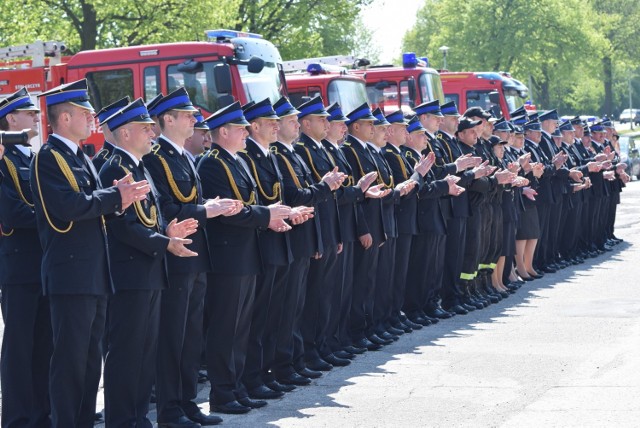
(229, 34)
(410, 60)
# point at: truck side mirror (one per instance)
(494, 97)
(222, 77)
(255, 65)
(190, 66)
(412, 92)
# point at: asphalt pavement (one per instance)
(563, 351)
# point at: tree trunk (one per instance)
(89, 30)
(607, 80)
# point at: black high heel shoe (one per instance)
(524, 278)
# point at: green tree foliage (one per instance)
(298, 28)
(578, 54)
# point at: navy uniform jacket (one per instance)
(319, 162)
(20, 250)
(479, 188)
(362, 163)
(390, 201)
(181, 197)
(74, 261)
(460, 203)
(274, 246)
(430, 216)
(349, 197)
(407, 209)
(233, 240)
(137, 250)
(441, 168)
(299, 190)
(545, 192)
(559, 180)
(103, 155)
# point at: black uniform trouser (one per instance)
(486, 245)
(434, 269)
(454, 254)
(496, 235)
(180, 345)
(231, 304)
(595, 207)
(279, 299)
(26, 351)
(289, 345)
(130, 364)
(399, 281)
(585, 238)
(613, 207)
(364, 280)
(77, 322)
(420, 262)
(321, 284)
(472, 245)
(544, 215)
(252, 376)
(555, 219)
(338, 332)
(384, 284)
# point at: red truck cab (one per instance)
(497, 92)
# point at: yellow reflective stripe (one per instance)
(467, 276)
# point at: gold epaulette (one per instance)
(149, 221)
(214, 153)
(408, 154)
(273, 149)
(300, 143)
(101, 154)
(155, 148)
(114, 159)
(234, 186)
(346, 143)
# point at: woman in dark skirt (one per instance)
(528, 226)
(508, 160)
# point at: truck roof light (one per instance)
(315, 68)
(222, 34)
(409, 60)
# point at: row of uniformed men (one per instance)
(281, 307)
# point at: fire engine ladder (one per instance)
(37, 51)
(301, 64)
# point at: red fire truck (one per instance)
(494, 91)
(402, 87)
(230, 65)
(307, 78)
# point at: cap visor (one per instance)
(83, 104)
(31, 108)
(185, 108)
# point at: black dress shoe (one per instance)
(231, 408)
(252, 404)
(294, 379)
(402, 325)
(367, 344)
(318, 365)
(419, 320)
(277, 386)
(205, 420)
(345, 355)
(428, 318)
(458, 310)
(412, 325)
(311, 374)
(98, 416)
(355, 350)
(440, 313)
(394, 331)
(386, 335)
(264, 393)
(468, 306)
(181, 422)
(336, 361)
(378, 340)
(549, 269)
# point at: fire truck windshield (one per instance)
(266, 84)
(349, 93)
(431, 87)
